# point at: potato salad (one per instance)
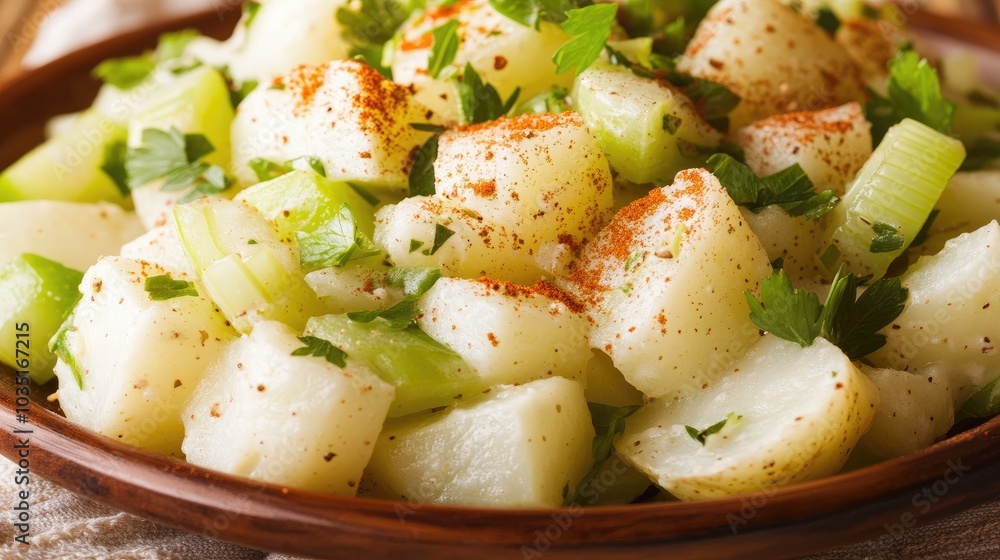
(522, 253)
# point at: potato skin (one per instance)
(803, 411)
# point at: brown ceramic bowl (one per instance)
(875, 502)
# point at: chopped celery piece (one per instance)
(426, 373)
(302, 200)
(36, 296)
(67, 166)
(248, 272)
(194, 103)
(891, 198)
(648, 130)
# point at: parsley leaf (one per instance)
(373, 22)
(175, 158)
(853, 325)
(590, 29)
(984, 153)
(415, 282)
(552, 101)
(421, 177)
(609, 423)
(114, 165)
(701, 435)
(237, 93)
(310, 162)
(846, 320)
(915, 93)
(321, 349)
(789, 188)
(532, 12)
(983, 403)
(125, 73)
(828, 20)
(785, 312)
(481, 102)
(164, 287)
(887, 238)
(335, 243)
(444, 48)
(267, 170)
(441, 236)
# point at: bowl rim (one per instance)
(115, 474)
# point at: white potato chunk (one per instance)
(914, 411)
(74, 234)
(950, 321)
(793, 239)
(521, 446)
(344, 113)
(162, 246)
(871, 44)
(128, 363)
(541, 177)
(519, 194)
(773, 58)
(301, 421)
(831, 145)
(353, 287)
(510, 334)
(503, 52)
(666, 281)
(282, 35)
(802, 411)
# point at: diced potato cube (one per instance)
(127, 362)
(510, 334)
(521, 446)
(300, 421)
(666, 281)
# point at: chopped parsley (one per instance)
(441, 236)
(422, 179)
(415, 282)
(126, 73)
(481, 102)
(984, 403)
(828, 20)
(335, 243)
(320, 348)
(914, 93)
(177, 159)
(790, 188)
(164, 287)
(846, 320)
(267, 170)
(589, 29)
(444, 48)
(702, 435)
(887, 238)
(609, 423)
(311, 162)
(415, 245)
(532, 12)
